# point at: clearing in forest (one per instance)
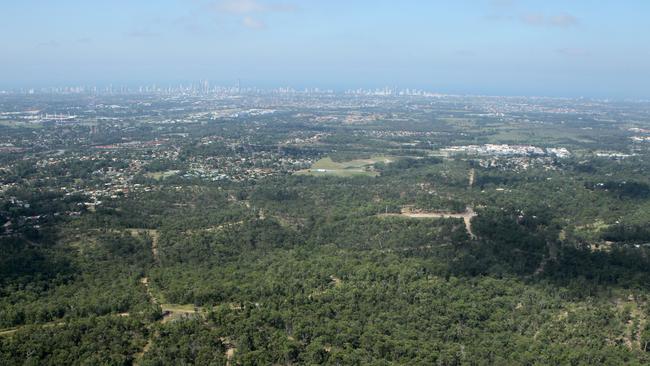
(414, 214)
(357, 167)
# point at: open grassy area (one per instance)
(541, 135)
(327, 166)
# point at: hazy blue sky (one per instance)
(551, 47)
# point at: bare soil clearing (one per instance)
(356, 167)
(230, 349)
(410, 213)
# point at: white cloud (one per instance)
(251, 6)
(252, 23)
(239, 6)
(250, 10)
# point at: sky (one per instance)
(497, 47)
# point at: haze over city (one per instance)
(495, 47)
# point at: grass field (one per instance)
(542, 135)
(357, 167)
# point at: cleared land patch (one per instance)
(358, 167)
(408, 211)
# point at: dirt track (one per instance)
(155, 237)
(472, 175)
